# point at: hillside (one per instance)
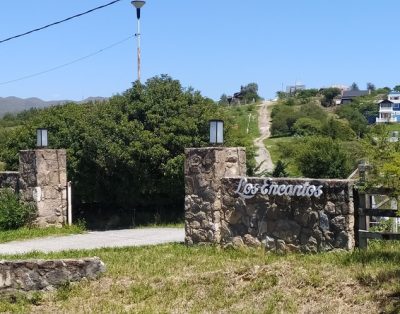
(14, 104)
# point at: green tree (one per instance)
(223, 100)
(396, 88)
(250, 92)
(307, 127)
(280, 170)
(328, 95)
(354, 86)
(384, 159)
(127, 152)
(357, 120)
(371, 87)
(322, 157)
(337, 129)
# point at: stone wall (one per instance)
(285, 219)
(204, 169)
(9, 179)
(281, 214)
(43, 181)
(47, 274)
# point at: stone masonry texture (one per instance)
(204, 169)
(281, 222)
(43, 181)
(29, 275)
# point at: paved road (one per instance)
(96, 239)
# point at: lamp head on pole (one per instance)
(41, 138)
(216, 132)
(138, 5)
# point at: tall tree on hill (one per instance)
(371, 87)
(354, 86)
(223, 100)
(250, 92)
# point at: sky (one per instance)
(214, 46)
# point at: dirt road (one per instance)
(263, 157)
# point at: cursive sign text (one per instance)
(249, 190)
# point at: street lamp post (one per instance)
(138, 5)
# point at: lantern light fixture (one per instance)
(216, 132)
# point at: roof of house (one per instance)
(385, 101)
(394, 93)
(354, 93)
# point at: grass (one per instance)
(163, 225)
(207, 279)
(272, 145)
(30, 233)
(245, 118)
(2, 166)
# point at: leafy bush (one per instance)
(307, 126)
(338, 130)
(127, 154)
(322, 157)
(284, 117)
(13, 213)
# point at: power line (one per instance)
(59, 22)
(68, 63)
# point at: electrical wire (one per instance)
(59, 22)
(68, 63)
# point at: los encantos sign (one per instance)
(249, 190)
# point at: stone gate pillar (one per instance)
(204, 169)
(43, 182)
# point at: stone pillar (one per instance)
(204, 169)
(43, 181)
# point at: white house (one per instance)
(389, 110)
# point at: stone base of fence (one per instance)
(280, 214)
(41, 181)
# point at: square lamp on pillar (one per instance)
(41, 138)
(216, 132)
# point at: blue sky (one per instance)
(214, 46)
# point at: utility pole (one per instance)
(138, 5)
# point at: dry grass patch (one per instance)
(178, 279)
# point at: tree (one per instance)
(357, 120)
(329, 94)
(307, 126)
(223, 100)
(337, 129)
(280, 170)
(354, 86)
(371, 87)
(322, 157)
(250, 92)
(384, 160)
(127, 152)
(396, 88)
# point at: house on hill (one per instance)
(349, 95)
(389, 109)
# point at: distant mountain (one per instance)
(14, 104)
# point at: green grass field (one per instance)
(272, 145)
(30, 233)
(246, 120)
(207, 279)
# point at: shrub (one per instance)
(322, 157)
(307, 126)
(13, 213)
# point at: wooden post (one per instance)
(362, 201)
